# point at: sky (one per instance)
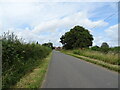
(46, 21)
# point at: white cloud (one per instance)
(29, 36)
(26, 34)
(112, 33)
(98, 40)
(79, 18)
(110, 36)
(15, 14)
(51, 18)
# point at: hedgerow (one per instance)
(19, 57)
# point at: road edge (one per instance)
(100, 63)
(45, 77)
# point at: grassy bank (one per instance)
(92, 60)
(19, 58)
(108, 58)
(35, 78)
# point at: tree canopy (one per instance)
(104, 45)
(77, 37)
(49, 44)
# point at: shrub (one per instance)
(115, 49)
(104, 50)
(19, 58)
(95, 48)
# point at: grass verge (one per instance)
(95, 61)
(109, 57)
(35, 78)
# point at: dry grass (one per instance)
(109, 57)
(95, 61)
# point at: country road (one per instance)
(69, 72)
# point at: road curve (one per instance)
(69, 72)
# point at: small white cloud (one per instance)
(46, 26)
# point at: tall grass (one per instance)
(18, 58)
(109, 57)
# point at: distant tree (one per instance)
(48, 45)
(104, 47)
(96, 48)
(77, 37)
(37, 42)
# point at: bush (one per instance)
(104, 50)
(95, 48)
(19, 58)
(115, 49)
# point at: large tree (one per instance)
(77, 37)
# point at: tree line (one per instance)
(79, 37)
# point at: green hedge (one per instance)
(18, 58)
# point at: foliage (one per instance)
(104, 47)
(35, 78)
(115, 49)
(19, 58)
(95, 48)
(78, 37)
(48, 45)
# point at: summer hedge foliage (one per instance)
(18, 58)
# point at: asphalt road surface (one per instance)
(69, 72)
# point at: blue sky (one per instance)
(44, 21)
